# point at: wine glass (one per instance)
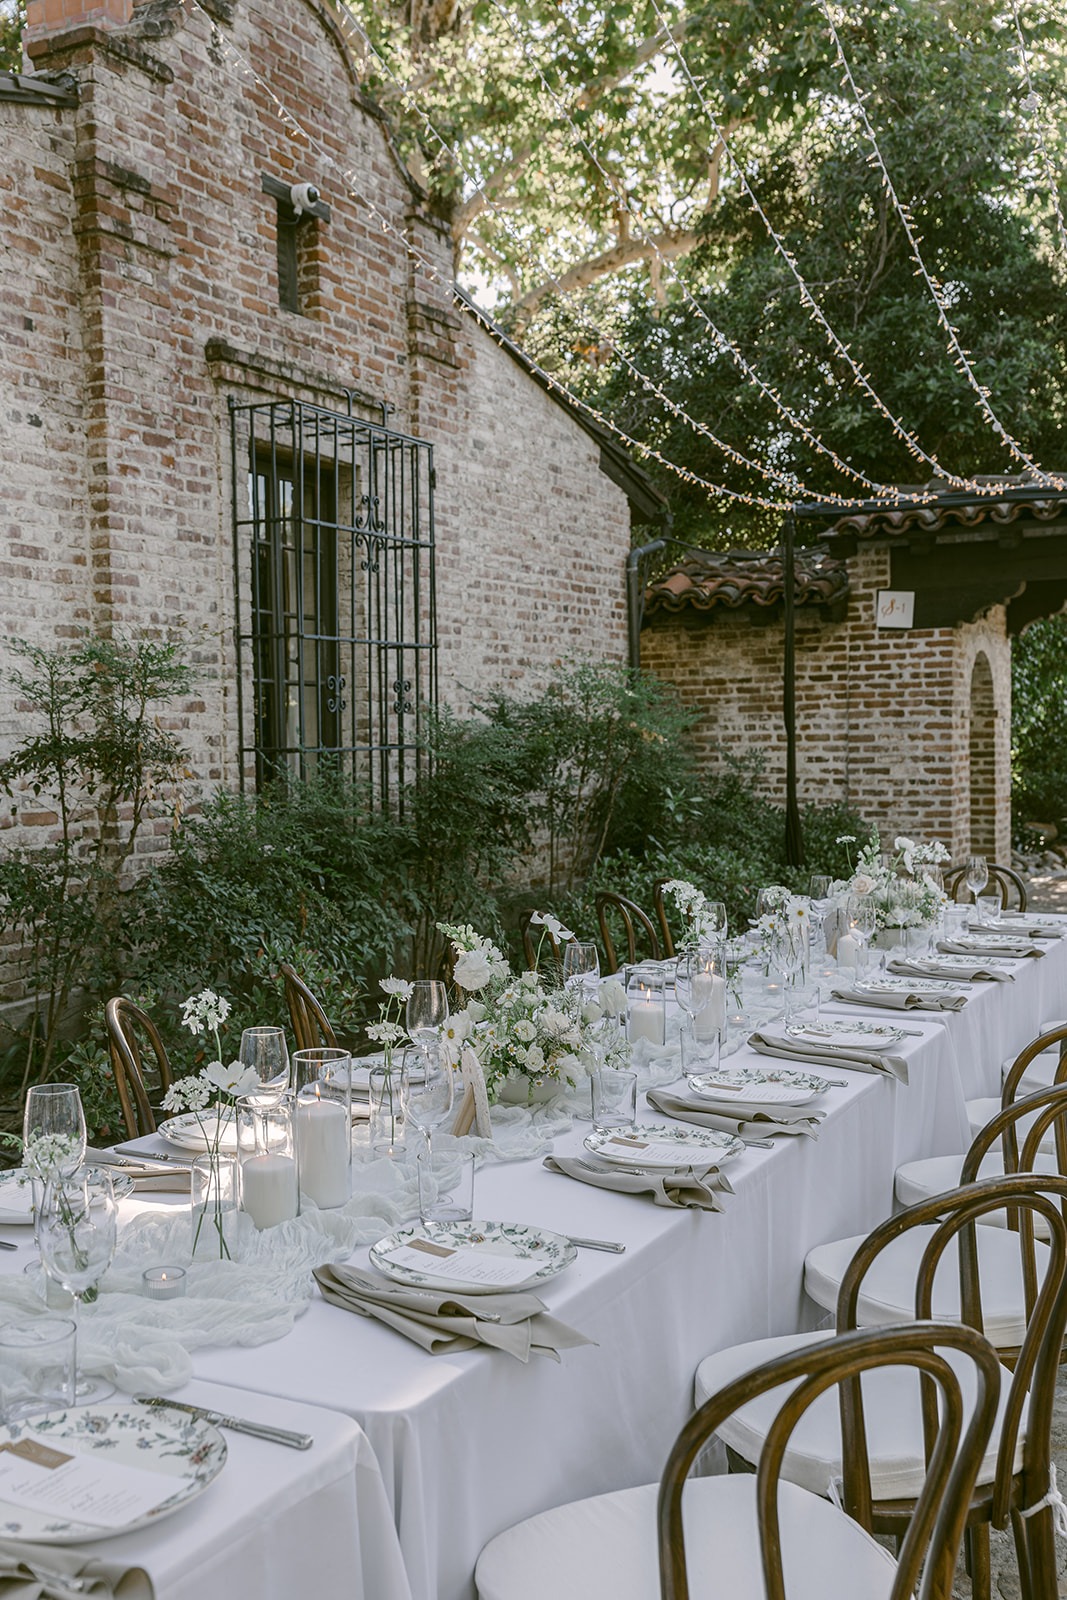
(976, 875)
(429, 1088)
(265, 1049)
(862, 918)
(581, 966)
(766, 900)
(426, 1011)
(76, 1237)
(713, 917)
(694, 982)
(54, 1110)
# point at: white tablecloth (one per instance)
(467, 1445)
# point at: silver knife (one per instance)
(144, 1156)
(257, 1430)
(597, 1244)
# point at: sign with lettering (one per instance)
(895, 608)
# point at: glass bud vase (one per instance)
(214, 1194)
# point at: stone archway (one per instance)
(982, 760)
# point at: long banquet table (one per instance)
(467, 1445)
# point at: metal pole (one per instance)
(794, 837)
(635, 601)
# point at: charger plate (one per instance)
(174, 1445)
(665, 1148)
(547, 1253)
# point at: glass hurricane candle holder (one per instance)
(266, 1149)
(322, 1124)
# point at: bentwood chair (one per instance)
(131, 1033)
(306, 1016)
(609, 903)
(755, 1536)
(1015, 1293)
(661, 917)
(1005, 880)
(1041, 1065)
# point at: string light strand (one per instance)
(1032, 105)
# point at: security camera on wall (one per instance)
(304, 196)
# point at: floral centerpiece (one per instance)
(694, 909)
(203, 1013)
(898, 882)
(782, 933)
(526, 1034)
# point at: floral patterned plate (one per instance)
(440, 1242)
(196, 1131)
(846, 1034)
(16, 1192)
(762, 1085)
(902, 986)
(654, 1144)
(171, 1444)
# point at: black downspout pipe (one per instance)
(794, 836)
(635, 600)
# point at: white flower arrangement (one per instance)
(903, 892)
(521, 1029)
(692, 906)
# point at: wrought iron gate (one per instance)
(333, 543)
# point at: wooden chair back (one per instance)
(130, 1031)
(306, 1016)
(1007, 1125)
(953, 1216)
(936, 1529)
(661, 917)
(1003, 879)
(632, 918)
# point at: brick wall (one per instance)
(884, 717)
(140, 233)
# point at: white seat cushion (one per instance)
(1040, 1074)
(606, 1547)
(979, 1112)
(888, 1290)
(919, 1180)
(891, 1412)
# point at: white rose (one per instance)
(535, 1058)
(524, 1030)
(473, 970)
(862, 884)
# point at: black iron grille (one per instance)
(334, 572)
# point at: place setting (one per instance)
(858, 1045)
(884, 992)
(753, 1103)
(962, 968)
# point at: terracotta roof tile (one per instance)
(732, 578)
(1042, 506)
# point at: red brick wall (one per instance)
(883, 716)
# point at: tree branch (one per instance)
(472, 209)
(645, 52)
(676, 242)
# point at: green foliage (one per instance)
(12, 24)
(95, 766)
(1039, 716)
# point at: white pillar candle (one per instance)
(646, 1021)
(269, 1189)
(709, 1023)
(323, 1138)
(848, 951)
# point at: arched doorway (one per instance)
(983, 760)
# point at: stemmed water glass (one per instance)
(429, 1088)
(76, 1233)
(976, 875)
(862, 918)
(581, 966)
(266, 1050)
(55, 1110)
(694, 982)
(426, 1012)
(713, 920)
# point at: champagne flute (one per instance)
(266, 1050)
(76, 1234)
(426, 1011)
(976, 875)
(429, 1088)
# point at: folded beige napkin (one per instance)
(930, 967)
(692, 1188)
(768, 1043)
(1017, 922)
(901, 1000)
(49, 1572)
(747, 1118)
(971, 946)
(442, 1322)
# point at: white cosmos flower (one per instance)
(543, 919)
(398, 986)
(233, 1079)
(473, 970)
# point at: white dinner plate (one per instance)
(196, 1131)
(902, 986)
(171, 1443)
(655, 1144)
(846, 1034)
(766, 1086)
(542, 1252)
(16, 1193)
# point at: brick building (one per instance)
(909, 724)
(261, 421)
